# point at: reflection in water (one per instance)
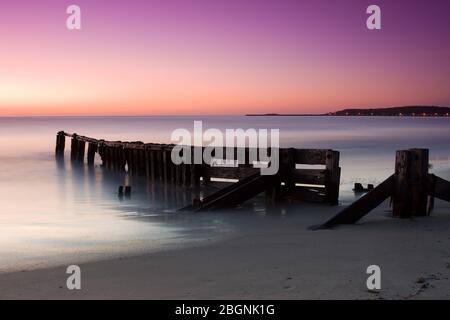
(55, 212)
(60, 211)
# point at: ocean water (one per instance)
(52, 212)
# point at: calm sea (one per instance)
(54, 213)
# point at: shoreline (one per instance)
(270, 258)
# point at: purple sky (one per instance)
(222, 56)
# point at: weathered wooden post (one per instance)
(333, 177)
(172, 167)
(107, 157)
(74, 148)
(60, 144)
(92, 149)
(165, 163)
(419, 181)
(152, 166)
(195, 179)
(81, 150)
(287, 167)
(159, 164)
(122, 159)
(206, 179)
(101, 151)
(290, 170)
(410, 190)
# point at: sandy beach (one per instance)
(271, 257)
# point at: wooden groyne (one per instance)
(411, 187)
(154, 162)
(412, 190)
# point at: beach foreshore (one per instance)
(274, 257)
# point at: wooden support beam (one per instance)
(438, 187)
(363, 205)
(235, 194)
(333, 177)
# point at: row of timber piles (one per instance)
(137, 158)
(150, 160)
(154, 161)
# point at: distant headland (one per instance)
(407, 111)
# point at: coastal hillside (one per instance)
(410, 111)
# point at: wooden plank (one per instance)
(310, 176)
(228, 172)
(235, 194)
(310, 156)
(362, 206)
(302, 156)
(308, 194)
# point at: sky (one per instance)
(179, 57)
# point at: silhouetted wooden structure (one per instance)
(411, 188)
(154, 161)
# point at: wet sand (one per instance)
(271, 257)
